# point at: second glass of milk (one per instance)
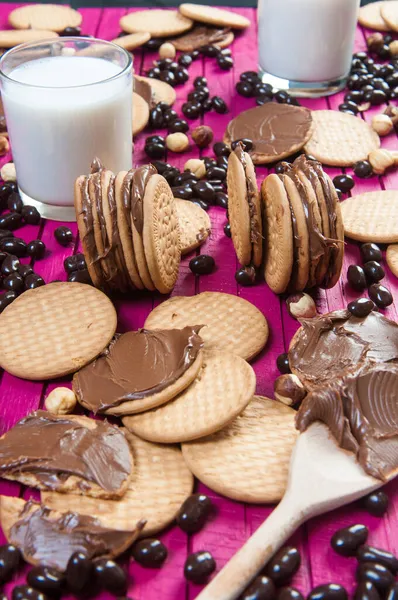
(305, 46)
(66, 102)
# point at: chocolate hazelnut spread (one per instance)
(296, 244)
(200, 35)
(139, 182)
(252, 192)
(361, 411)
(48, 538)
(335, 344)
(136, 364)
(54, 448)
(275, 129)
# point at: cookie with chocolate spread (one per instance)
(244, 208)
(161, 91)
(156, 22)
(48, 537)
(202, 35)
(276, 130)
(51, 17)
(140, 370)
(161, 482)
(140, 113)
(68, 454)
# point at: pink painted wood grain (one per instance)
(232, 522)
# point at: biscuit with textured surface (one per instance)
(214, 16)
(392, 258)
(231, 323)
(160, 483)
(140, 113)
(249, 459)
(238, 210)
(221, 391)
(194, 223)
(278, 234)
(74, 484)
(54, 17)
(161, 234)
(389, 12)
(339, 139)
(370, 16)
(371, 217)
(161, 91)
(15, 510)
(72, 324)
(10, 37)
(156, 21)
(132, 40)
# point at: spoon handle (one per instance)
(236, 575)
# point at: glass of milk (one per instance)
(66, 102)
(305, 46)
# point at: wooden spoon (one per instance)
(322, 477)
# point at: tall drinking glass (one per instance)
(66, 101)
(305, 46)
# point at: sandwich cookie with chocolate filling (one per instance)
(244, 208)
(70, 453)
(140, 370)
(49, 537)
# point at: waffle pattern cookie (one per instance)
(62, 337)
(160, 483)
(303, 228)
(339, 139)
(249, 459)
(129, 229)
(231, 323)
(372, 217)
(221, 391)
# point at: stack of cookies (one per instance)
(296, 229)
(128, 227)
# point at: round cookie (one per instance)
(222, 390)
(392, 258)
(156, 22)
(140, 113)
(371, 217)
(201, 35)
(72, 324)
(54, 17)
(278, 234)
(214, 16)
(303, 256)
(10, 37)
(389, 12)
(161, 91)
(84, 218)
(335, 268)
(138, 406)
(232, 324)
(133, 40)
(370, 16)
(194, 224)
(238, 210)
(249, 459)
(161, 236)
(160, 483)
(276, 130)
(339, 139)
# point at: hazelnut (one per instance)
(382, 124)
(392, 112)
(202, 136)
(381, 160)
(393, 48)
(301, 306)
(177, 142)
(8, 173)
(4, 145)
(289, 389)
(196, 166)
(167, 50)
(60, 401)
(375, 41)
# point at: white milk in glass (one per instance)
(59, 122)
(309, 41)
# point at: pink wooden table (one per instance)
(233, 522)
